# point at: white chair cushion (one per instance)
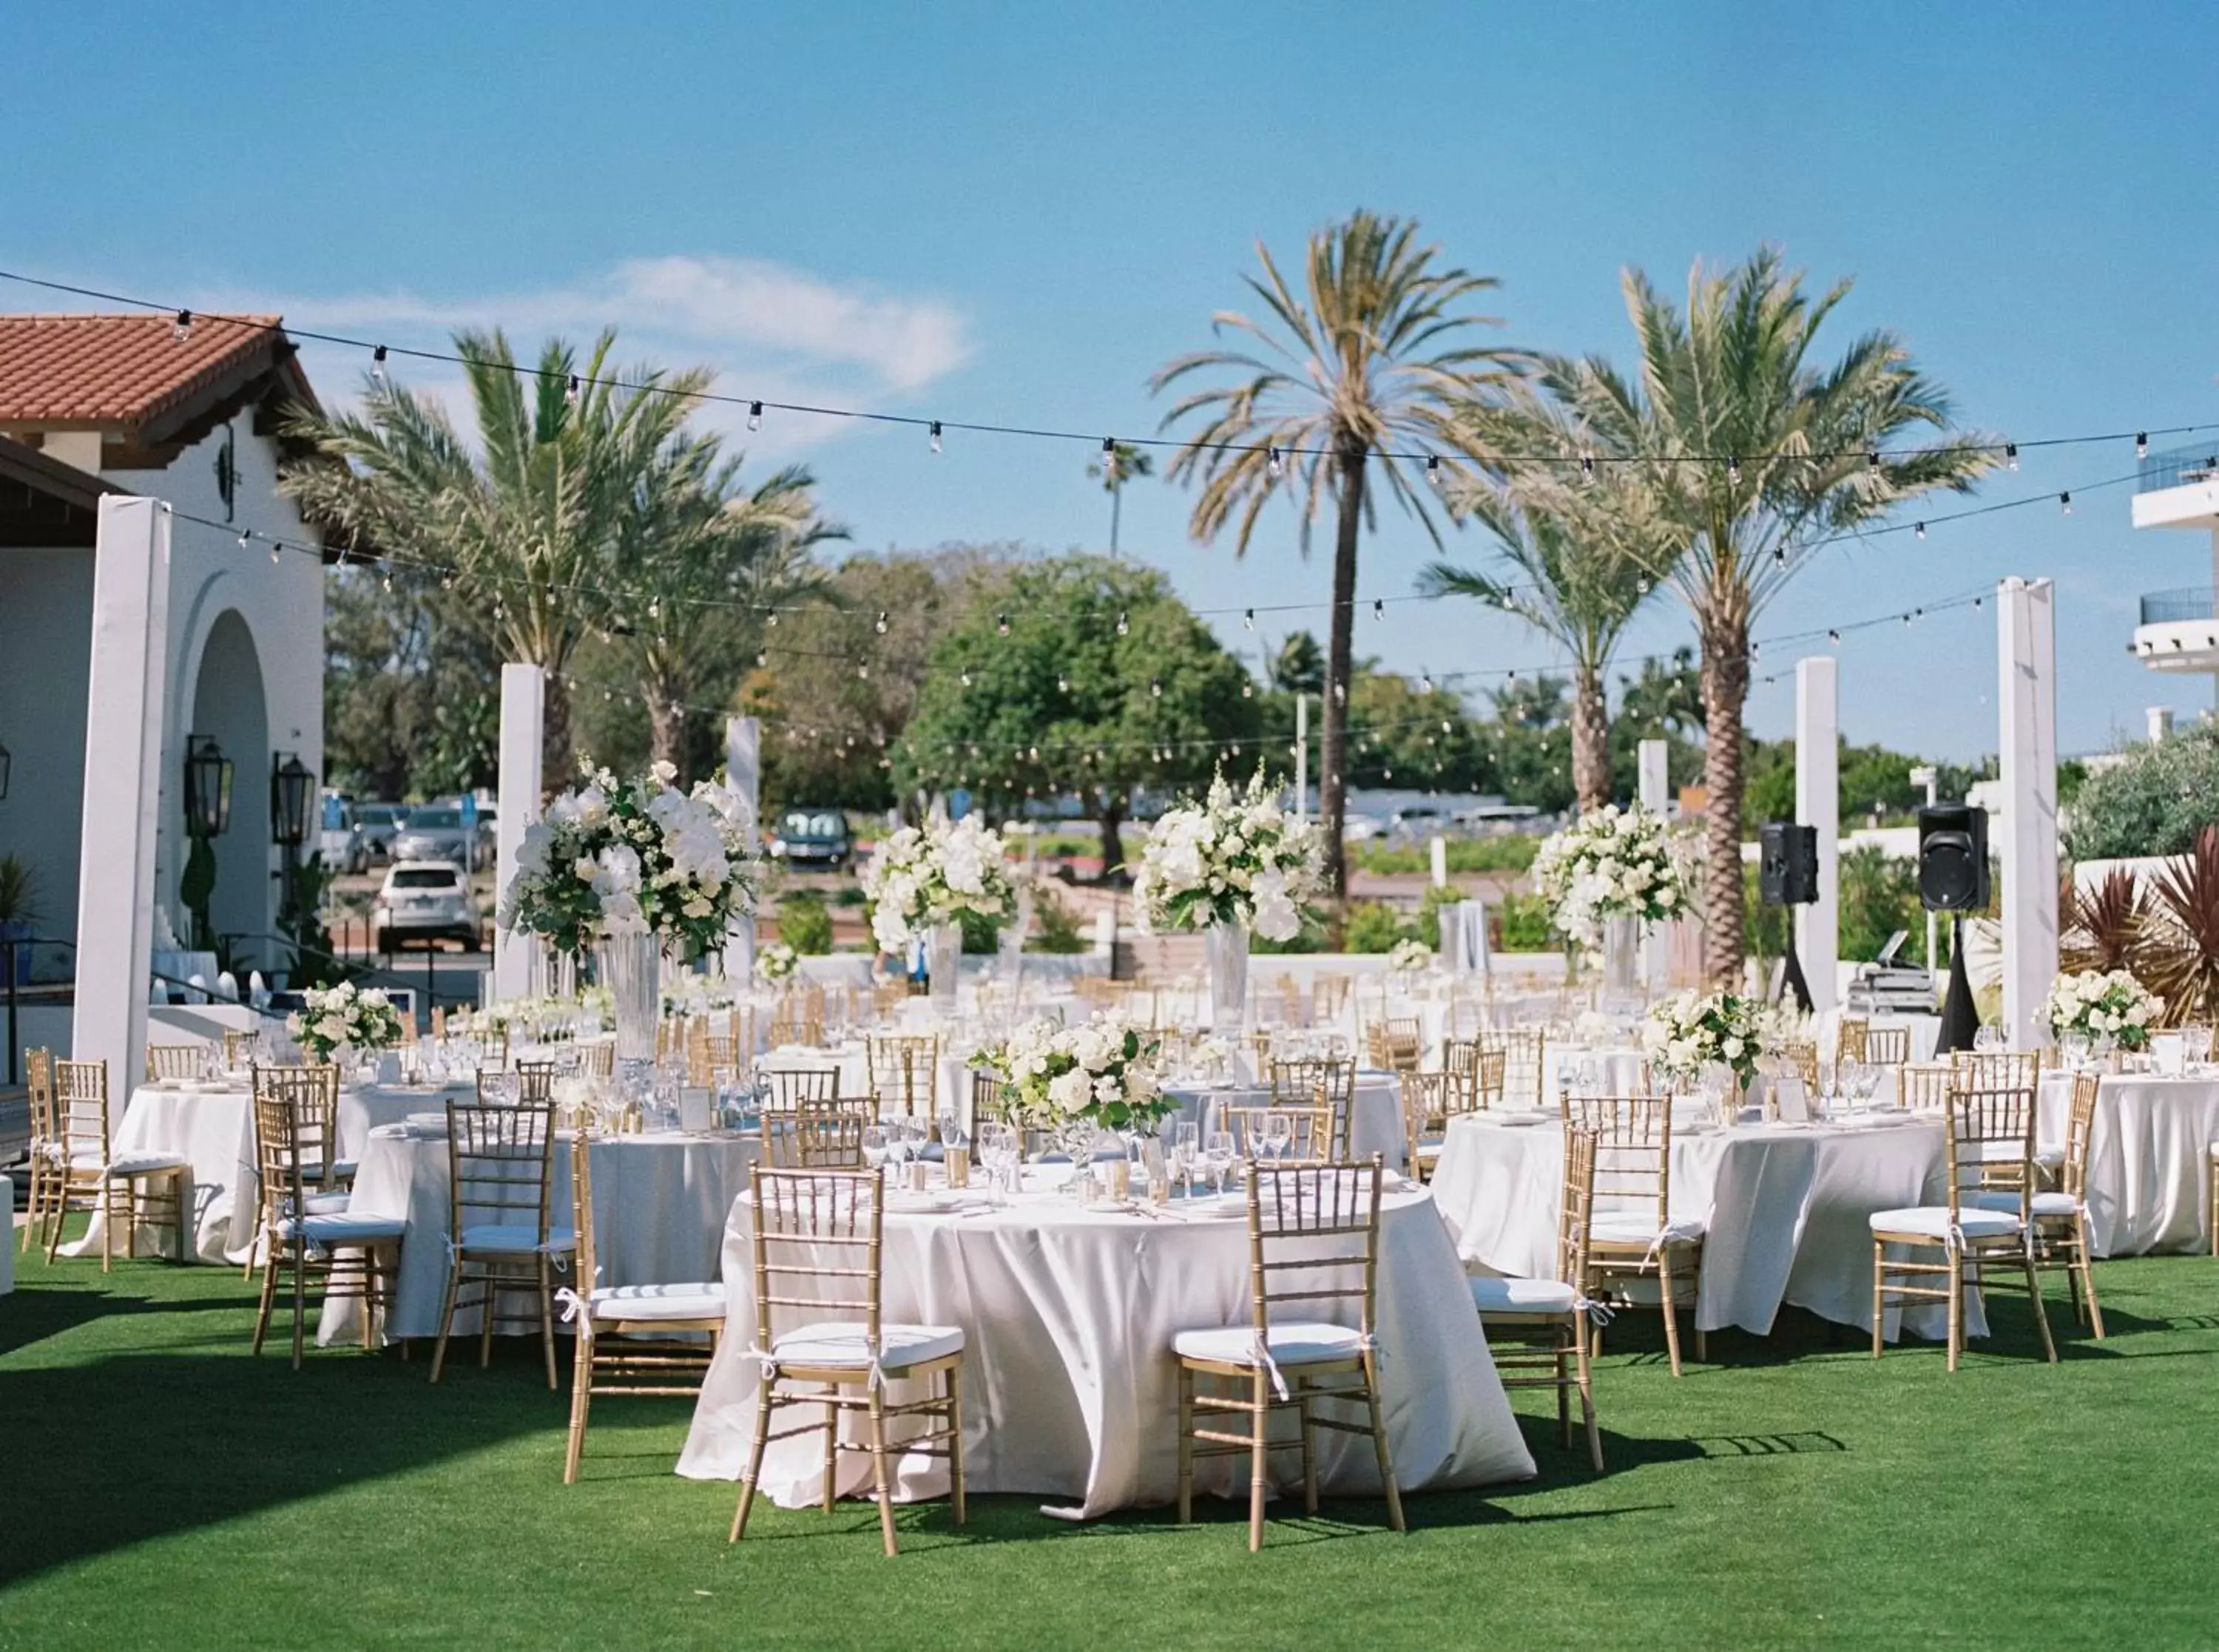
(2044, 1204)
(845, 1342)
(345, 1229)
(517, 1239)
(1297, 1342)
(2050, 1158)
(1522, 1296)
(329, 1204)
(1623, 1228)
(659, 1303)
(1932, 1221)
(127, 1164)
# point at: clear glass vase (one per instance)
(1621, 955)
(943, 962)
(1227, 945)
(631, 966)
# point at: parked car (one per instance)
(338, 840)
(380, 823)
(813, 840)
(434, 834)
(424, 900)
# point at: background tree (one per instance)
(532, 522)
(1662, 701)
(1121, 462)
(1360, 365)
(1297, 666)
(1069, 700)
(1760, 454)
(1409, 737)
(412, 705)
(1528, 742)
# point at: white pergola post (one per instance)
(2026, 649)
(1653, 781)
(743, 774)
(517, 956)
(1818, 802)
(124, 743)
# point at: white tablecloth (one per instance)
(2149, 1159)
(1786, 1208)
(212, 1126)
(659, 1207)
(1375, 1123)
(1069, 1387)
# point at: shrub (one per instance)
(2154, 801)
(1373, 927)
(1526, 924)
(805, 922)
(1058, 930)
(1513, 852)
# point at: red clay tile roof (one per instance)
(128, 370)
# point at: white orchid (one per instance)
(1611, 862)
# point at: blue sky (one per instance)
(1014, 214)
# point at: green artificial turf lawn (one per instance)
(157, 1485)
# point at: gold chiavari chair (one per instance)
(1309, 1229)
(2061, 1215)
(43, 1200)
(672, 1037)
(886, 998)
(819, 1135)
(789, 1086)
(1884, 1046)
(631, 1339)
(1800, 1056)
(1632, 1232)
(1986, 1221)
(1430, 1100)
(439, 1022)
(1923, 1086)
(905, 1072)
(818, 1258)
(794, 1022)
(1995, 1070)
(598, 1060)
(311, 1234)
(709, 1052)
(316, 1087)
(94, 1179)
(1329, 1079)
(236, 1044)
(174, 1061)
(1395, 1044)
(501, 1164)
(1851, 1039)
(1484, 1070)
(1309, 1132)
(1537, 1329)
(1525, 1063)
(1328, 997)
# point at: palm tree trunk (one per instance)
(1725, 687)
(557, 765)
(662, 729)
(1113, 844)
(1590, 738)
(1332, 791)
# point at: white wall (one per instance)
(46, 663)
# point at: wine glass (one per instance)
(878, 1145)
(1186, 1144)
(1279, 1135)
(1217, 1156)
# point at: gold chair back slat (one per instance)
(500, 1158)
(817, 1246)
(790, 1086)
(2079, 1128)
(174, 1061)
(1851, 1038)
(80, 1103)
(1577, 1211)
(819, 1135)
(1923, 1086)
(1290, 1209)
(1633, 1150)
(1990, 1138)
(905, 1071)
(1883, 1047)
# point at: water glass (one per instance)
(1217, 1154)
(878, 1145)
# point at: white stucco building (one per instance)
(94, 406)
(2179, 629)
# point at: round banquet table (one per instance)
(1069, 1387)
(1375, 1123)
(1785, 1209)
(210, 1123)
(659, 1207)
(2149, 1159)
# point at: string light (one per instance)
(2141, 445)
(1124, 624)
(1002, 624)
(1733, 471)
(1379, 607)
(1275, 465)
(1833, 636)
(1587, 467)
(246, 538)
(755, 416)
(1433, 469)
(770, 619)
(274, 549)
(879, 624)
(377, 364)
(1919, 530)
(1872, 461)
(936, 436)
(182, 328)
(1155, 688)
(1247, 619)
(2065, 504)
(571, 394)
(2011, 454)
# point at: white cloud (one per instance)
(769, 330)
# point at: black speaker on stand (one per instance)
(1787, 875)
(1953, 877)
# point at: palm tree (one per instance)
(1579, 558)
(532, 526)
(1362, 365)
(1119, 462)
(1760, 454)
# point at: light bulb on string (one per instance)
(1587, 467)
(274, 549)
(1247, 619)
(1379, 607)
(2141, 445)
(1123, 623)
(2065, 504)
(1833, 636)
(1275, 465)
(654, 607)
(967, 680)
(377, 364)
(570, 392)
(245, 538)
(936, 436)
(762, 658)
(879, 624)
(1733, 471)
(1002, 624)
(863, 670)
(182, 328)
(1424, 682)
(755, 416)
(1062, 685)
(1918, 529)
(1872, 461)
(1247, 689)
(386, 581)
(770, 619)
(447, 580)
(2011, 456)
(1434, 470)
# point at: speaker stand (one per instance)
(1792, 981)
(1961, 1021)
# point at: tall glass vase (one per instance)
(943, 960)
(1227, 949)
(631, 966)
(1621, 955)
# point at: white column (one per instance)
(2026, 639)
(743, 774)
(1654, 790)
(516, 957)
(1818, 802)
(125, 738)
(2160, 721)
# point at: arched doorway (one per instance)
(228, 708)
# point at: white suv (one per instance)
(424, 900)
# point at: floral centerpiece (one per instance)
(1606, 874)
(1410, 957)
(776, 961)
(1232, 863)
(1690, 1031)
(633, 857)
(2105, 1007)
(920, 882)
(345, 1016)
(1101, 1074)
